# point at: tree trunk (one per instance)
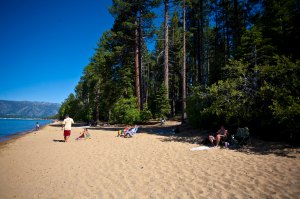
(173, 78)
(137, 71)
(166, 65)
(198, 56)
(183, 117)
(140, 60)
(227, 45)
(97, 100)
(237, 39)
(201, 40)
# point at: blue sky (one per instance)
(45, 44)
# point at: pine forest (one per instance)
(203, 62)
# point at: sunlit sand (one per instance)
(144, 166)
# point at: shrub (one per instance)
(280, 92)
(266, 97)
(125, 111)
(145, 115)
(163, 107)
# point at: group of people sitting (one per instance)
(128, 131)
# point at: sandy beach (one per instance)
(39, 165)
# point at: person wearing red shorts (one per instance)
(67, 125)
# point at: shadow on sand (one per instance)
(187, 134)
(74, 125)
(261, 147)
(58, 141)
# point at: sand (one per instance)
(145, 166)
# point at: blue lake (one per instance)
(12, 126)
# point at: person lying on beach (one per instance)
(84, 135)
(221, 134)
(123, 132)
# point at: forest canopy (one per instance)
(214, 61)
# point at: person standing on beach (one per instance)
(37, 126)
(67, 125)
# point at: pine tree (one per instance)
(166, 47)
(184, 116)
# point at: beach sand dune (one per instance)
(145, 166)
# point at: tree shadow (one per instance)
(106, 128)
(73, 125)
(191, 138)
(188, 134)
(181, 133)
(150, 128)
(258, 146)
(261, 147)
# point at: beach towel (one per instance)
(200, 148)
(83, 127)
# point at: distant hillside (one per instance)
(26, 109)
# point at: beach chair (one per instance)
(131, 132)
(88, 136)
(121, 133)
(242, 137)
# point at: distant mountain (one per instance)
(27, 109)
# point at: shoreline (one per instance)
(19, 134)
(16, 136)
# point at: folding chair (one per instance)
(242, 137)
(131, 132)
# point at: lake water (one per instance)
(10, 127)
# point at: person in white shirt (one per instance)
(67, 125)
(37, 126)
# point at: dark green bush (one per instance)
(266, 97)
(125, 111)
(145, 115)
(163, 107)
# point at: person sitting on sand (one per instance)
(221, 134)
(84, 135)
(123, 132)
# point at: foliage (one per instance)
(281, 91)
(196, 103)
(70, 107)
(145, 114)
(237, 100)
(161, 102)
(229, 100)
(125, 111)
(232, 76)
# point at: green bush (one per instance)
(196, 103)
(145, 115)
(266, 97)
(132, 116)
(125, 111)
(163, 107)
(280, 92)
(227, 101)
